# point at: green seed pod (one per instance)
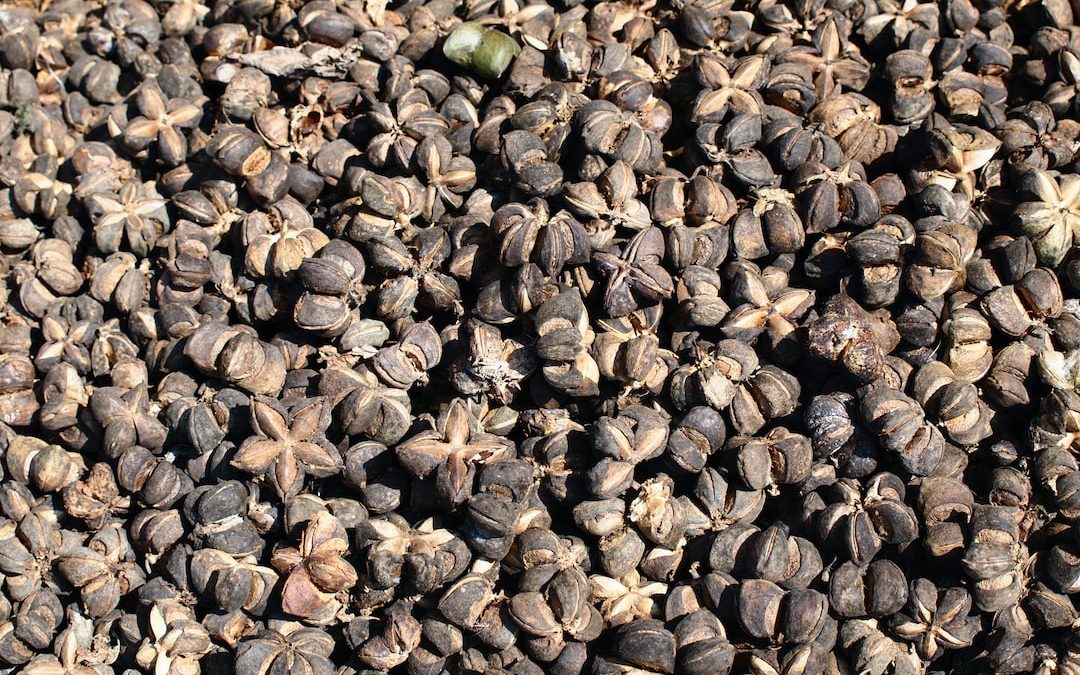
(463, 42)
(486, 51)
(495, 53)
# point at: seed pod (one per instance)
(659, 516)
(994, 557)
(487, 51)
(847, 333)
(904, 429)
(877, 590)
(563, 326)
(778, 458)
(48, 468)
(957, 406)
(237, 357)
(646, 644)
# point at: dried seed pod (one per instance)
(450, 449)
(104, 570)
(778, 458)
(939, 260)
(956, 404)
(768, 394)
(645, 644)
(659, 516)
(995, 557)
(967, 336)
(859, 521)
(1010, 372)
(316, 569)
(364, 405)
(845, 332)
(946, 505)
(1015, 309)
(564, 338)
(834, 433)
(937, 619)
(176, 641)
(95, 498)
(903, 428)
(307, 649)
(875, 591)
(334, 285)
(1049, 220)
(769, 225)
(17, 400)
(530, 232)
(237, 357)
(289, 443)
(47, 468)
(617, 135)
(493, 365)
(699, 434)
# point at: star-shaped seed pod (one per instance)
(413, 273)
(104, 571)
(316, 569)
(452, 448)
(763, 302)
(1052, 218)
(401, 126)
(732, 87)
(937, 619)
(635, 276)
(835, 63)
(128, 418)
(176, 640)
(618, 135)
(289, 443)
(162, 123)
(133, 218)
(626, 598)
(874, 652)
(304, 651)
(530, 232)
(493, 365)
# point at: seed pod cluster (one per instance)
(428, 337)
